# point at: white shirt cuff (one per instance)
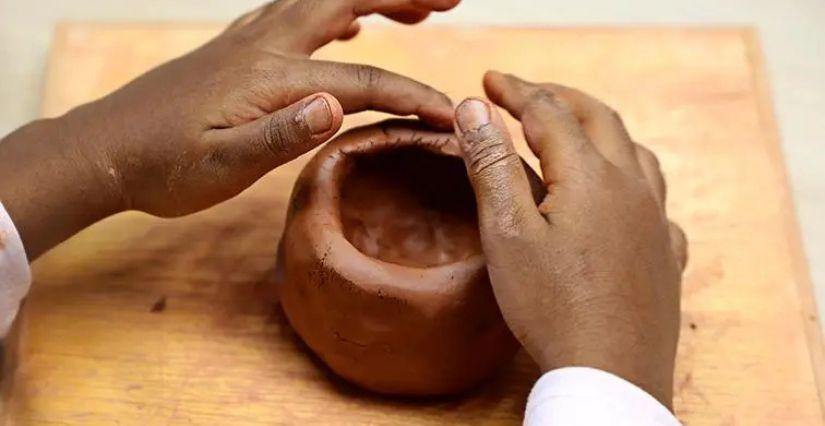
(15, 275)
(587, 396)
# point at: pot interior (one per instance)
(409, 206)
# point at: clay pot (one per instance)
(384, 278)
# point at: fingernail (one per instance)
(472, 114)
(318, 116)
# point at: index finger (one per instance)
(552, 131)
(602, 125)
(365, 87)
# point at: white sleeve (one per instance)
(15, 275)
(587, 396)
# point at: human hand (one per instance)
(591, 276)
(202, 128)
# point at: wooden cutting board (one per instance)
(146, 321)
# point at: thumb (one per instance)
(283, 135)
(503, 194)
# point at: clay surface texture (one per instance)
(383, 275)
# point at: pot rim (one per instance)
(332, 246)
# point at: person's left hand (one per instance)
(202, 128)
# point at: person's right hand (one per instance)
(591, 276)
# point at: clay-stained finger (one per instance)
(653, 173)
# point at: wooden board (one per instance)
(94, 347)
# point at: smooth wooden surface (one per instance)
(90, 350)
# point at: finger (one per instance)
(352, 31)
(314, 23)
(552, 131)
(602, 124)
(679, 244)
(505, 201)
(652, 173)
(603, 127)
(277, 138)
(364, 87)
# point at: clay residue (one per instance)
(159, 305)
(411, 207)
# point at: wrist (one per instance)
(54, 182)
(89, 151)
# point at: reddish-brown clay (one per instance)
(383, 275)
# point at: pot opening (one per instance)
(409, 206)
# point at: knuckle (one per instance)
(544, 103)
(508, 225)
(678, 233)
(368, 77)
(279, 138)
(303, 8)
(609, 113)
(545, 98)
(486, 149)
(513, 224)
(640, 190)
(645, 155)
(267, 69)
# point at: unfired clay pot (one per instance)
(383, 274)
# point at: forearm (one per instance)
(50, 186)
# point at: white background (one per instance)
(792, 33)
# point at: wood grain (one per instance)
(146, 321)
